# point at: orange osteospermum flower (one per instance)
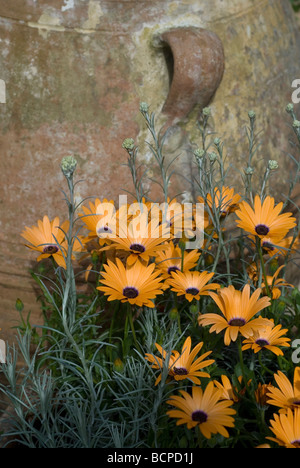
(261, 394)
(276, 247)
(224, 201)
(136, 285)
(192, 284)
(286, 428)
(288, 394)
(253, 272)
(173, 214)
(97, 215)
(204, 409)
(170, 259)
(229, 392)
(274, 283)
(182, 365)
(265, 219)
(267, 338)
(48, 238)
(238, 309)
(140, 238)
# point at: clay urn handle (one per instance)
(195, 58)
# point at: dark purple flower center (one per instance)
(104, 230)
(296, 402)
(50, 249)
(137, 248)
(192, 291)
(296, 443)
(199, 416)
(261, 342)
(173, 268)
(180, 371)
(262, 229)
(130, 292)
(237, 322)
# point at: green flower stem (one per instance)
(69, 303)
(157, 151)
(130, 318)
(175, 298)
(265, 180)
(182, 248)
(263, 266)
(222, 248)
(263, 367)
(125, 336)
(263, 417)
(112, 323)
(70, 277)
(199, 437)
(239, 342)
(179, 323)
(70, 294)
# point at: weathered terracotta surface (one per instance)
(75, 73)
(198, 67)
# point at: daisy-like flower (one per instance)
(261, 394)
(265, 219)
(288, 394)
(203, 409)
(136, 285)
(48, 238)
(229, 392)
(267, 338)
(140, 238)
(173, 214)
(253, 273)
(170, 259)
(286, 428)
(192, 284)
(274, 283)
(97, 217)
(276, 247)
(224, 201)
(238, 309)
(182, 365)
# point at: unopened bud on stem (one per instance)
(68, 166)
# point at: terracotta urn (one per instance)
(73, 73)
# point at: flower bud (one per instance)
(251, 115)
(19, 305)
(212, 157)
(261, 394)
(296, 124)
(209, 260)
(173, 314)
(206, 111)
(199, 153)
(68, 166)
(95, 257)
(144, 108)
(249, 170)
(194, 309)
(272, 164)
(128, 144)
(289, 108)
(118, 365)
